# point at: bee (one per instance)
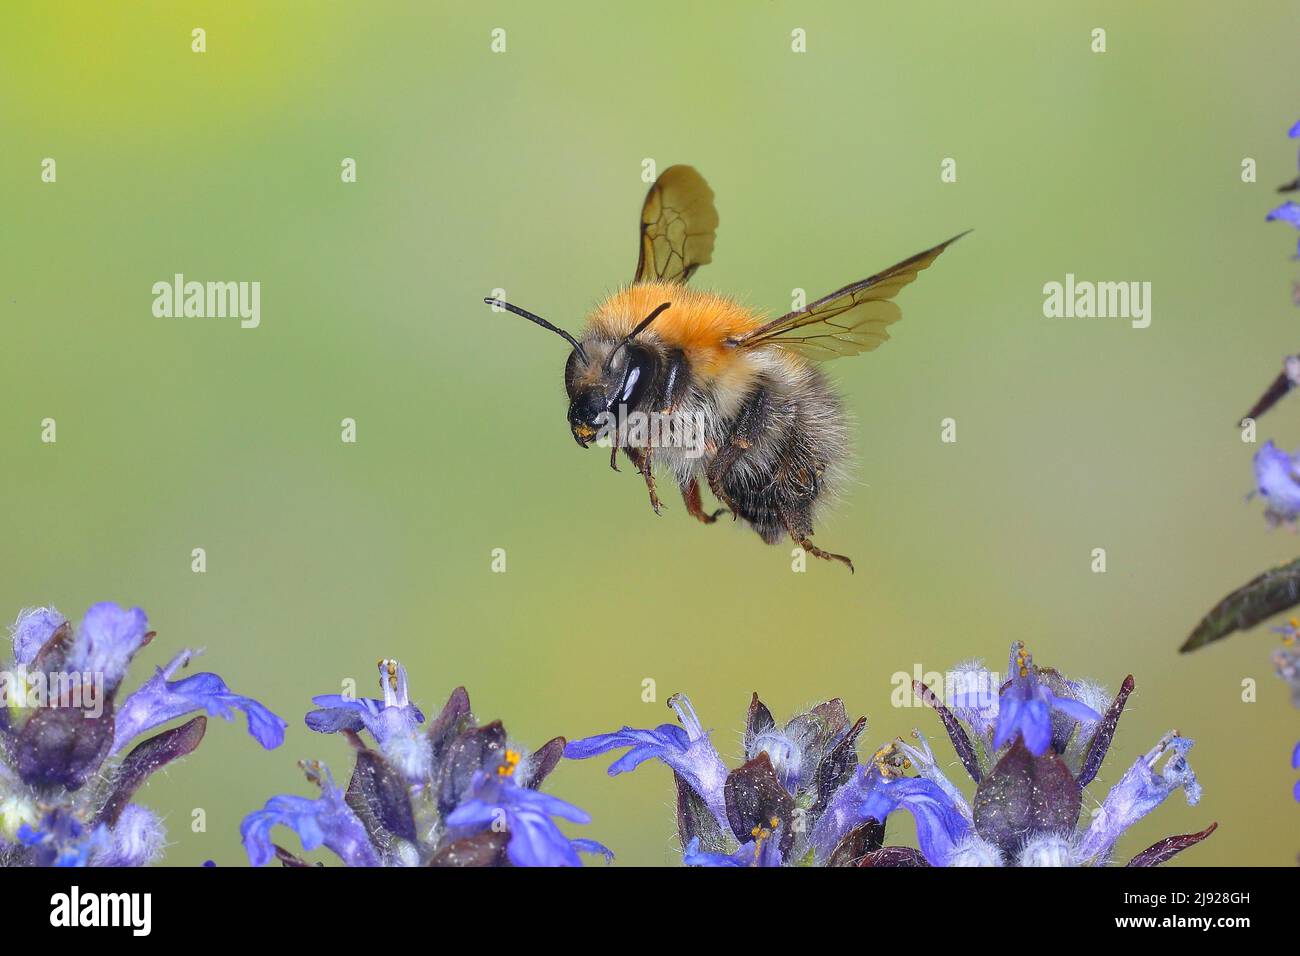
(749, 411)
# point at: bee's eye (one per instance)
(630, 382)
(637, 373)
(570, 367)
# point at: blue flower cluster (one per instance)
(802, 797)
(1277, 473)
(452, 793)
(1276, 470)
(65, 792)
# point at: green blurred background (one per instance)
(521, 170)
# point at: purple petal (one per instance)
(383, 720)
(1036, 726)
(633, 759)
(536, 841)
(593, 847)
(108, 638)
(1009, 710)
(338, 713)
(1275, 479)
(474, 813)
(537, 802)
(940, 825)
(694, 856)
(159, 700)
(1288, 212)
(34, 627)
(1076, 709)
(1144, 786)
(694, 759)
(327, 821)
(665, 735)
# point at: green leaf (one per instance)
(1271, 593)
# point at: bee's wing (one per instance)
(678, 223)
(852, 320)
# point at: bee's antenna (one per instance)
(635, 332)
(503, 304)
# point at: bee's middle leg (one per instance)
(640, 458)
(749, 424)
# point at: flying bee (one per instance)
(748, 410)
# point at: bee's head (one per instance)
(602, 374)
(602, 378)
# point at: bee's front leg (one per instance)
(641, 459)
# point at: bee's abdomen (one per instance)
(783, 452)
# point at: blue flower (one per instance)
(686, 749)
(395, 714)
(1028, 801)
(451, 793)
(326, 821)
(62, 803)
(877, 790)
(1145, 785)
(1277, 480)
(761, 813)
(525, 815)
(1026, 706)
(159, 700)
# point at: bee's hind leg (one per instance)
(641, 459)
(817, 552)
(695, 507)
(801, 538)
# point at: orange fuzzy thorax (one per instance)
(698, 323)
